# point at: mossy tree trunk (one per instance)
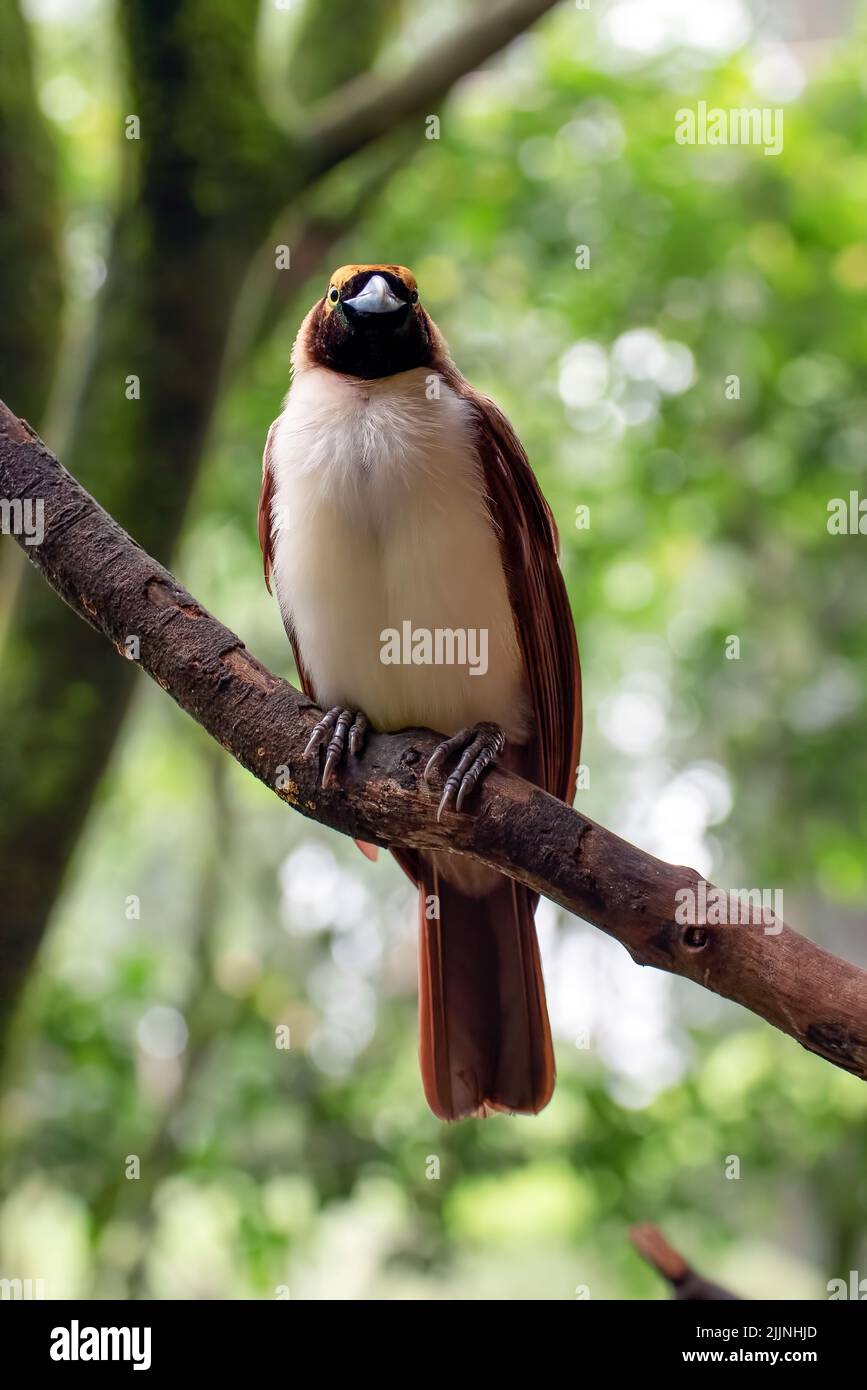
(31, 285)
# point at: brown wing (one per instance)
(529, 546)
(484, 1036)
(266, 498)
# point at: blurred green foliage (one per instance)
(313, 1167)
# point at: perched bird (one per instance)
(396, 499)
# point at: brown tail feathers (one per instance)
(484, 1035)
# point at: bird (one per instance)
(396, 499)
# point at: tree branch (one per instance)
(264, 723)
(686, 1284)
(371, 105)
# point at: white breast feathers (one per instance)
(385, 561)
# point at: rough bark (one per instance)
(264, 723)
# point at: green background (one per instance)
(311, 1167)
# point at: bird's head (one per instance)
(369, 323)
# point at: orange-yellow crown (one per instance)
(346, 272)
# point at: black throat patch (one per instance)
(372, 345)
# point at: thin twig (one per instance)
(686, 1284)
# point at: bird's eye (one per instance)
(334, 295)
(413, 299)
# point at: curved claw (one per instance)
(435, 761)
(336, 746)
(472, 775)
(357, 735)
(442, 752)
(481, 746)
(325, 725)
(345, 728)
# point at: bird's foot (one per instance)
(481, 745)
(347, 728)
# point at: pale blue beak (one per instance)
(375, 298)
